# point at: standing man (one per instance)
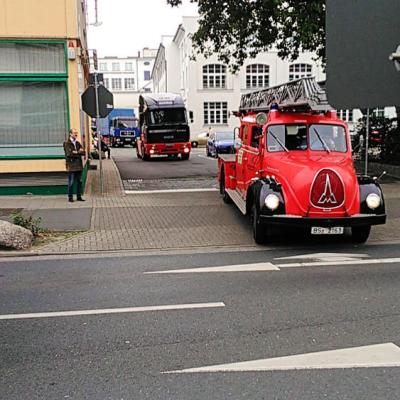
(73, 158)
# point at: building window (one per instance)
(216, 113)
(103, 66)
(129, 83)
(115, 66)
(214, 76)
(26, 58)
(257, 76)
(106, 82)
(378, 112)
(297, 71)
(33, 99)
(346, 115)
(146, 75)
(129, 66)
(116, 84)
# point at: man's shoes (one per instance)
(80, 199)
(71, 200)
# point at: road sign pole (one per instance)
(99, 136)
(366, 142)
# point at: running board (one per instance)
(238, 200)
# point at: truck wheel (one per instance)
(222, 191)
(185, 156)
(137, 153)
(146, 157)
(359, 234)
(260, 231)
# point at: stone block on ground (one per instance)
(14, 236)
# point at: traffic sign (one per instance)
(106, 101)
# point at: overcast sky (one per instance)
(129, 25)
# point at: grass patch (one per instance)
(47, 237)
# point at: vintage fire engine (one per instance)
(293, 166)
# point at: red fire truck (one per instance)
(293, 167)
(164, 126)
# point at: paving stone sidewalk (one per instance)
(149, 221)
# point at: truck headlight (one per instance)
(272, 201)
(373, 201)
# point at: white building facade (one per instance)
(207, 86)
(211, 91)
(127, 77)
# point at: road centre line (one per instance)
(170, 191)
(267, 266)
(112, 311)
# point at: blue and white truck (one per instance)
(120, 128)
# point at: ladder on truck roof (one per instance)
(303, 94)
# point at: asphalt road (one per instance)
(160, 172)
(278, 302)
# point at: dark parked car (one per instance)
(220, 142)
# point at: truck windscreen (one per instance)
(127, 123)
(167, 116)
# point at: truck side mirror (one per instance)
(238, 143)
(191, 116)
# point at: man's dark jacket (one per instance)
(73, 161)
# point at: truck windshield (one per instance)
(287, 137)
(126, 123)
(328, 137)
(321, 137)
(167, 116)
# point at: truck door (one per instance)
(241, 158)
(253, 153)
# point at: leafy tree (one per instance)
(238, 29)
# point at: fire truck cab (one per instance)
(293, 166)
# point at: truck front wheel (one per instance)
(260, 231)
(185, 156)
(146, 157)
(360, 234)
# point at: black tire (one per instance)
(195, 144)
(260, 231)
(208, 154)
(185, 157)
(224, 194)
(360, 234)
(146, 157)
(137, 153)
(216, 153)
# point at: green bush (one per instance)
(30, 223)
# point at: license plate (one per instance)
(334, 230)
(169, 144)
(127, 140)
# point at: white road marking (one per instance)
(226, 268)
(379, 355)
(341, 263)
(170, 191)
(267, 266)
(326, 257)
(112, 311)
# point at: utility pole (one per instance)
(366, 142)
(99, 135)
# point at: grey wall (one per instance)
(361, 34)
